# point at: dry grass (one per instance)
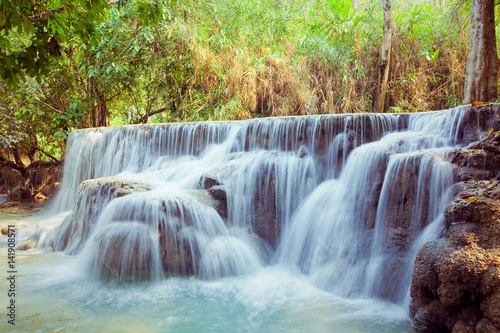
(267, 84)
(244, 74)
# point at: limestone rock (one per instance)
(125, 252)
(463, 326)
(461, 272)
(93, 196)
(485, 326)
(480, 160)
(491, 308)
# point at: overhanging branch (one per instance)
(39, 16)
(42, 151)
(152, 113)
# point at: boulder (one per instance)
(125, 252)
(460, 274)
(482, 157)
(93, 196)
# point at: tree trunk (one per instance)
(92, 102)
(385, 57)
(103, 109)
(482, 67)
(18, 165)
(33, 147)
(98, 104)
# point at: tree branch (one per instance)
(43, 152)
(13, 165)
(145, 117)
(40, 16)
(126, 86)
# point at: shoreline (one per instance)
(22, 207)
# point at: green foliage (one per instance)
(183, 60)
(31, 33)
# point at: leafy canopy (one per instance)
(31, 33)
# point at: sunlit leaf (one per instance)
(60, 134)
(472, 199)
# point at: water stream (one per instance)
(299, 224)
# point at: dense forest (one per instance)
(76, 64)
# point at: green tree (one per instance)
(31, 33)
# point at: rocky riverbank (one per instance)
(456, 279)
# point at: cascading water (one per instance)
(342, 201)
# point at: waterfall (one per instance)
(344, 200)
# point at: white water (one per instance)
(321, 211)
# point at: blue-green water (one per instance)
(52, 296)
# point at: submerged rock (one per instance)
(126, 250)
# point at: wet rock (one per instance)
(92, 197)
(485, 326)
(461, 271)
(39, 177)
(491, 308)
(164, 238)
(463, 326)
(178, 235)
(26, 245)
(125, 252)
(218, 192)
(477, 121)
(40, 197)
(213, 182)
(303, 152)
(480, 160)
(217, 176)
(20, 207)
(430, 319)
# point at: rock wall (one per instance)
(456, 279)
